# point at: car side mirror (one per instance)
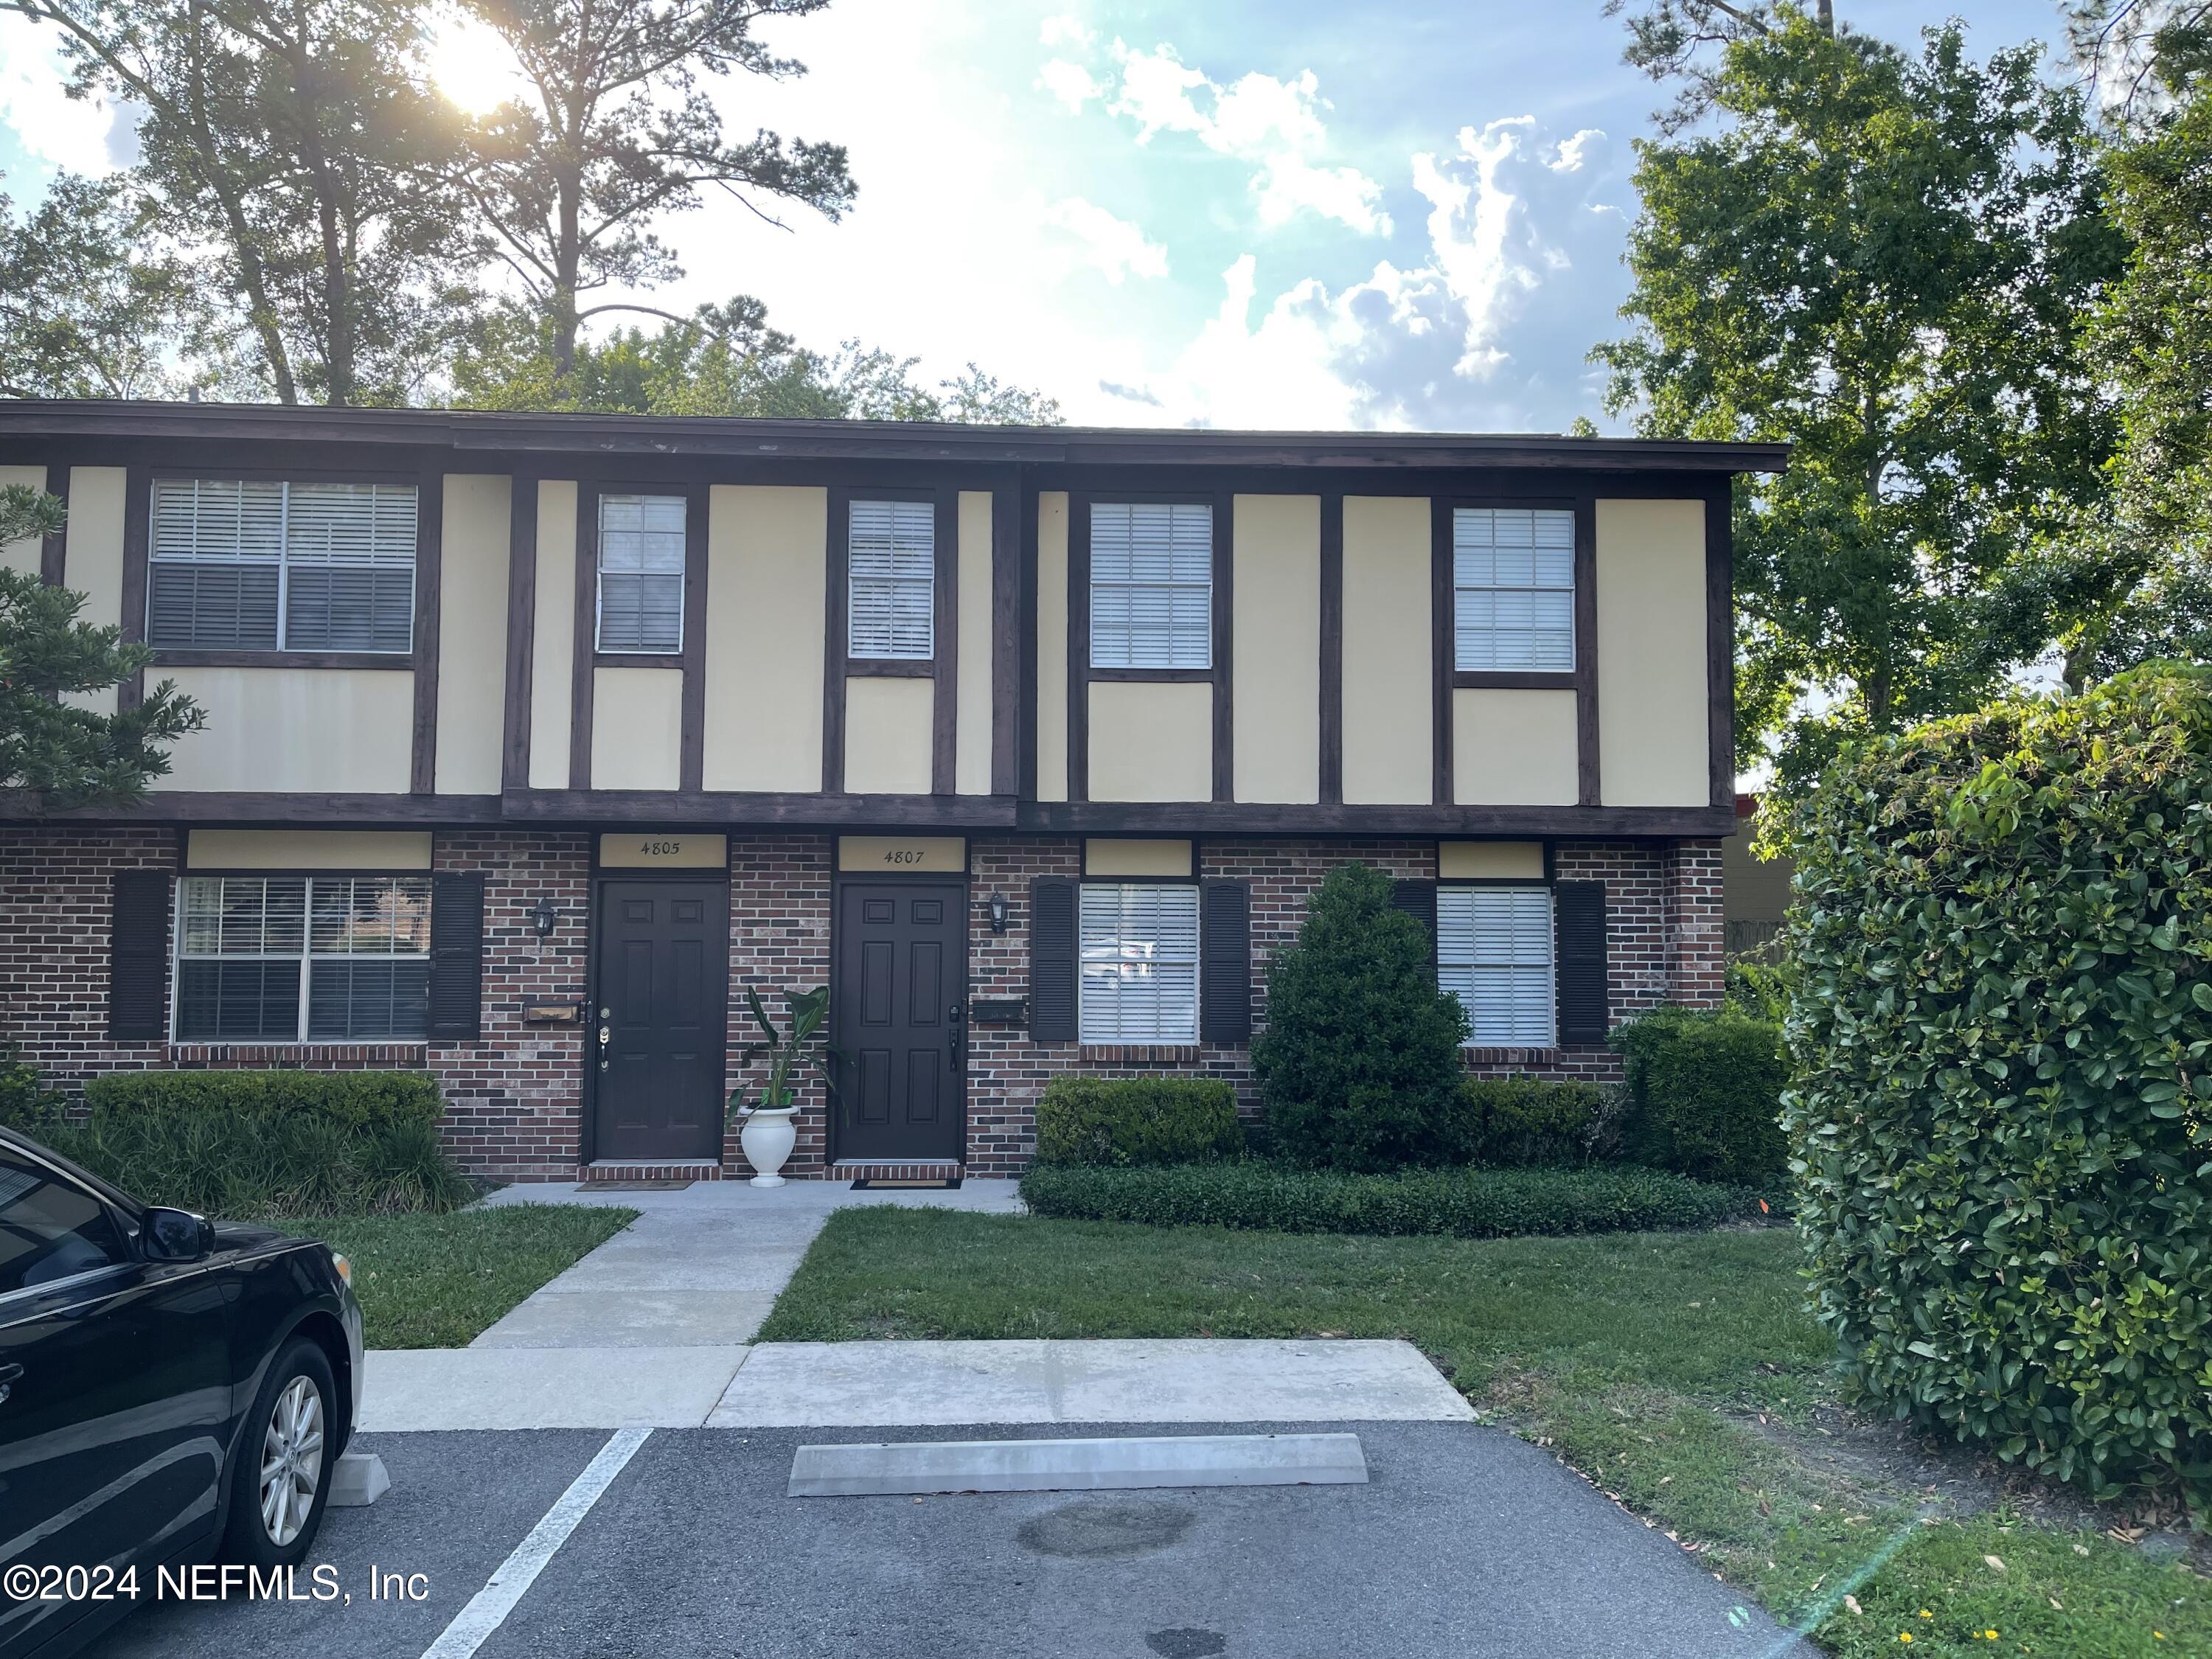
(177, 1236)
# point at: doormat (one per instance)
(935, 1183)
(633, 1187)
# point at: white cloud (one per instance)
(1116, 247)
(1065, 30)
(1071, 83)
(80, 134)
(1275, 125)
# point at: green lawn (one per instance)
(1646, 1361)
(435, 1281)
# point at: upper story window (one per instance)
(1513, 588)
(1139, 946)
(303, 958)
(641, 573)
(891, 581)
(266, 564)
(1494, 954)
(1152, 584)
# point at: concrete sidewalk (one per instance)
(698, 1269)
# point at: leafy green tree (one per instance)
(1882, 258)
(725, 360)
(297, 142)
(613, 129)
(1359, 1062)
(54, 750)
(90, 299)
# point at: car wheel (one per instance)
(282, 1475)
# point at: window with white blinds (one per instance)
(1138, 949)
(1513, 588)
(1152, 584)
(267, 564)
(641, 573)
(1494, 954)
(303, 958)
(891, 581)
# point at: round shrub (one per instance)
(2002, 1118)
(1705, 1092)
(1359, 1064)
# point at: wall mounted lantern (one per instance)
(543, 917)
(998, 912)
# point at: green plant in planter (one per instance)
(791, 1052)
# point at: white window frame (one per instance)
(1134, 956)
(894, 580)
(1172, 583)
(599, 573)
(307, 956)
(1538, 577)
(284, 558)
(1455, 966)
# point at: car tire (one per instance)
(281, 1478)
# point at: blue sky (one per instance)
(1255, 213)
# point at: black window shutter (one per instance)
(1578, 909)
(1224, 973)
(1052, 959)
(138, 957)
(456, 958)
(1417, 899)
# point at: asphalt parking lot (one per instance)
(1464, 1541)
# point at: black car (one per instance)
(172, 1391)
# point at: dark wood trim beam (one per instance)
(1332, 647)
(1720, 641)
(691, 730)
(1025, 770)
(585, 652)
(1155, 676)
(1227, 818)
(944, 697)
(737, 809)
(401, 660)
(1511, 679)
(247, 809)
(836, 614)
(890, 668)
(53, 550)
(429, 560)
(137, 514)
(1589, 786)
(1442, 653)
(1008, 708)
(1078, 647)
(521, 629)
(1225, 646)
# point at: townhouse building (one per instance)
(532, 741)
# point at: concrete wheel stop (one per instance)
(1088, 1465)
(357, 1480)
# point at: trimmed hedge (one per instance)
(1463, 1203)
(2001, 957)
(1517, 1122)
(1146, 1120)
(351, 1098)
(1706, 1093)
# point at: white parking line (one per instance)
(488, 1609)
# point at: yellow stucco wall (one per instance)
(971, 768)
(1514, 748)
(1652, 700)
(766, 564)
(637, 727)
(553, 636)
(23, 555)
(320, 731)
(93, 561)
(1150, 740)
(1388, 716)
(887, 734)
(1275, 661)
(472, 633)
(1052, 646)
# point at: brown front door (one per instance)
(897, 1001)
(655, 1042)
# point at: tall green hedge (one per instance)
(2001, 1021)
(1704, 1088)
(1136, 1119)
(355, 1099)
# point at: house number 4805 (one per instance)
(659, 849)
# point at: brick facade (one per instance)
(514, 1096)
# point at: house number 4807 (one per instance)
(902, 855)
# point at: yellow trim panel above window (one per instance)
(1136, 858)
(1490, 860)
(308, 849)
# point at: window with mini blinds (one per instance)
(1513, 589)
(1152, 584)
(641, 573)
(891, 581)
(1494, 952)
(296, 958)
(266, 564)
(1139, 951)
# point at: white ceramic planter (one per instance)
(767, 1136)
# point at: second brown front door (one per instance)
(659, 1015)
(897, 1008)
